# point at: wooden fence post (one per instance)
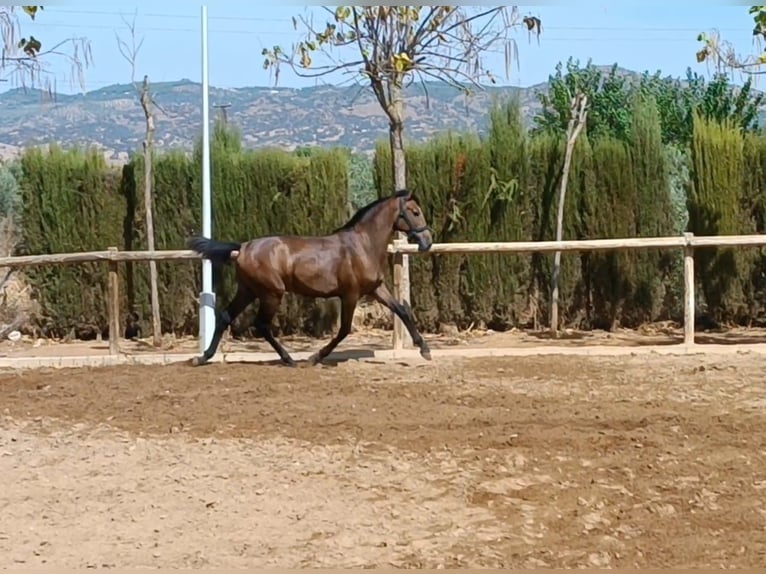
(114, 305)
(689, 290)
(401, 338)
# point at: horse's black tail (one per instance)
(216, 251)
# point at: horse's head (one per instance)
(410, 220)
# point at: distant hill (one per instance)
(112, 118)
(283, 117)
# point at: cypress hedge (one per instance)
(73, 201)
(716, 207)
(503, 186)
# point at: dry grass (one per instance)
(372, 315)
(16, 303)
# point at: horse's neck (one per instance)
(378, 228)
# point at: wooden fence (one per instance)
(401, 250)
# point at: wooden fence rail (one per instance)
(687, 241)
(112, 254)
(401, 250)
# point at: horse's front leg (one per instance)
(347, 307)
(383, 296)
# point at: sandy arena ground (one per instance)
(557, 461)
(366, 339)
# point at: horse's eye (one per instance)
(415, 212)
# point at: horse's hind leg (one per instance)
(347, 306)
(267, 308)
(223, 319)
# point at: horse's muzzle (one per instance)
(424, 239)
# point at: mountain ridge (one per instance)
(111, 117)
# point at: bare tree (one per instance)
(130, 53)
(578, 114)
(23, 60)
(724, 57)
(389, 47)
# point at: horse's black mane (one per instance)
(365, 209)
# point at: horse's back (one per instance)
(300, 264)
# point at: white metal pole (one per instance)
(207, 297)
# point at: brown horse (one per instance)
(348, 263)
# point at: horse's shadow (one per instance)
(333, 360)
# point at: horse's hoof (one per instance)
(426, 354)
(288, 362)
(198, 361)
(314, 359)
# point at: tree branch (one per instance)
(322, 70)
(130, 53)
(448, 76)
(398, 45)
(24, 59)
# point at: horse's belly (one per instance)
(314, 278)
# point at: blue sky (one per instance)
(638, 35)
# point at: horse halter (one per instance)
(405, 214)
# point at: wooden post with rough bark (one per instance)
(689, 295)
(146, 104)
(113, 306)
(578, 113)
(401, 338)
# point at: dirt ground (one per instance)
(377, 339)
(647, 461)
